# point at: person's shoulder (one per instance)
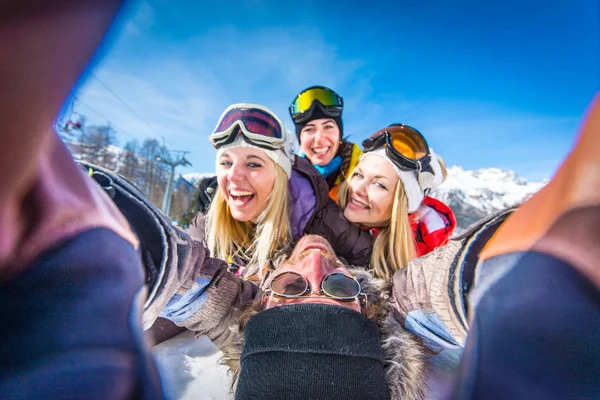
(355, 148)
(303, 165)
(199, 220)
(304, 172)
(197, 227)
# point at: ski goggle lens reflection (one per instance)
(335, 285)
(403, 139)
(305, 99)
(255, 123)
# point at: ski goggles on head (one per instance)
(257, 124)
(338, 286)
(405, 146)
(331, 103)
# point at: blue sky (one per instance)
(490, 84)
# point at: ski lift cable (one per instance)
(124, 103)
(94, 110)
(106, 119)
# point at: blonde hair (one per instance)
(395, 245)
(227, 238)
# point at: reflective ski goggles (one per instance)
(405, 146)
(256, 123)
(338, 286)
(331, 103)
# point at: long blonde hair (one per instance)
(395, 245)
(258, 243)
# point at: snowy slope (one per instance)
(473, 195)
(189, 369)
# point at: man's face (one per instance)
(313, 258)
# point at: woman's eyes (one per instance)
(358, 175)
(248, 165)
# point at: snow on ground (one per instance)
(189, 369)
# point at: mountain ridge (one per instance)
(475, 194)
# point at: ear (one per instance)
(265, 297)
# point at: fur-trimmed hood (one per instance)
(404, 353)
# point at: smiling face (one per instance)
(320, 140)
(246, 177)
(371, 191)
(314, 258)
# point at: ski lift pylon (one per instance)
(75, 119)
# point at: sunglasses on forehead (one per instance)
(337, 286)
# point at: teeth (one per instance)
(358, 203)
(240, 193)
(320, 150)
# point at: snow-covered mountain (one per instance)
(473, 195)
(195, 177)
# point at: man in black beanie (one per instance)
(315, 335)
(312, 351)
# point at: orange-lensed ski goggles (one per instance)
(405, 146)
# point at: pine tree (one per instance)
(129, 163)
(183, 204)
(96, 146)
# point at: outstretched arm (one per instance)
(429, 296)
(71, 281)
(534, 304)
(186, 285)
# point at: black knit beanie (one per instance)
(317, 113)
(311, 351)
